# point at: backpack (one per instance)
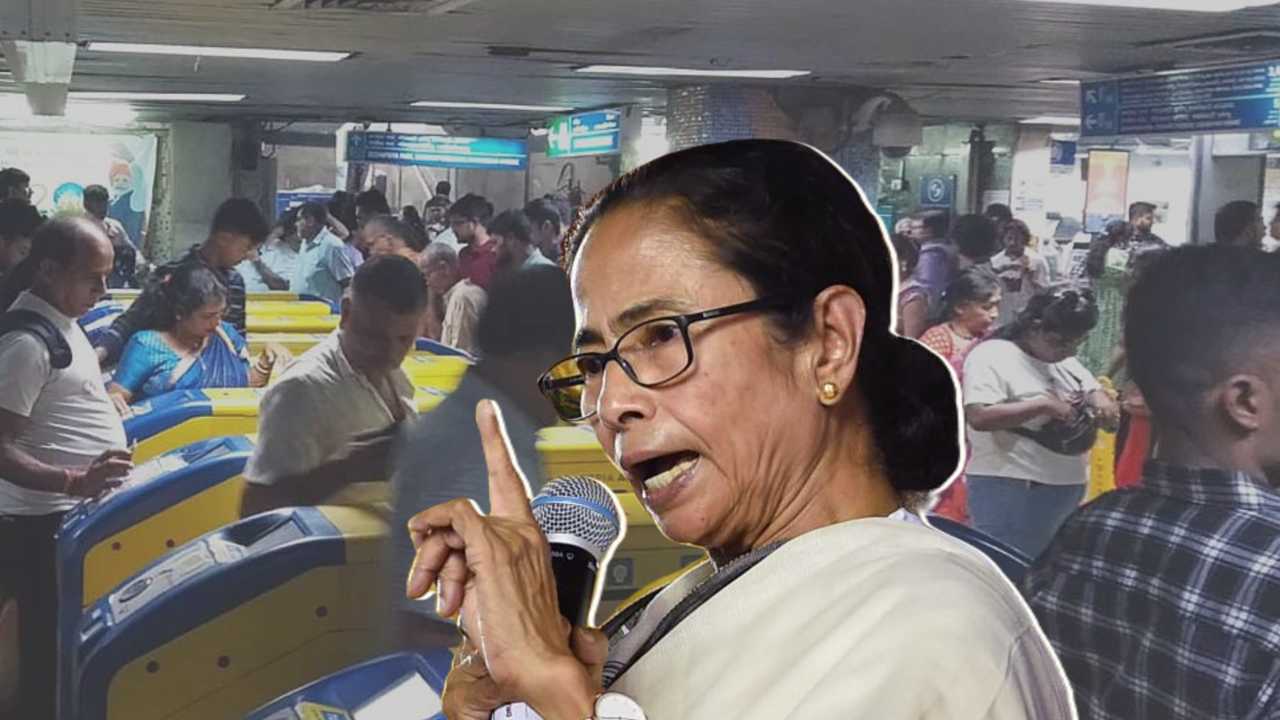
(33, 322)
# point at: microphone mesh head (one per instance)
(581, 507)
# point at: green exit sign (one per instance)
(592, 133)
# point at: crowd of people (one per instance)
(1036, 339)
(717, 291)
(395, 279)
(459, 245)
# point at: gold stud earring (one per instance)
(829, 392)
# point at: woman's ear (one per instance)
(839, 322)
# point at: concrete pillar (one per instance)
(705, 114)
(1220, 179)
(202, 174)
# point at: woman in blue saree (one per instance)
(189, 348)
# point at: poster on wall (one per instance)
(1107, 189)
(62, 165)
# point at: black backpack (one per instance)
(38, 325)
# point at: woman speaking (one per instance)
(734, 355)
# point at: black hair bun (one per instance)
(918, 429)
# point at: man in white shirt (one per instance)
(512, 236)
(1023, 272)
(274, 265)
(331, 418)
(324, 267)
(463, 301)
(61, 438)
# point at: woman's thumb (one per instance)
(591, 647)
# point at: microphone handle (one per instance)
(575, 571)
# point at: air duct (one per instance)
(38, 38)
(43, 70)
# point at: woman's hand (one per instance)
(470, 693)
(1107, 409)
(273, 356)
(1057, 409)
(497, 570)
(277, 356)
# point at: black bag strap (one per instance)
(33, 322)
(705, 590)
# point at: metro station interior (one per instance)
(173, 603)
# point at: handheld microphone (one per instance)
(583, 523)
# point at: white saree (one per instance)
(873, 618)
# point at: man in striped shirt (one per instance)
(1163, 601)
(238, 226)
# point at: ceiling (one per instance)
(956, 59)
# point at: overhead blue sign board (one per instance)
(391, 148)
(1223, 99)
(937, 191)
(591, 133)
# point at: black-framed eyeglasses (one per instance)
(652, 353)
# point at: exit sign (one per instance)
(591, 133)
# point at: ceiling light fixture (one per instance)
(225, 52)
(691, 72)
(1059, 81)
(16, 107)
(1067, 120)
(159, 97)
(538, 132)
(1218, 6)
(488, 106)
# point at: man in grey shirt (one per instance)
(527, 326)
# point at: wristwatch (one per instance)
(608, 706)
(616, 706)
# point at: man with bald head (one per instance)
(61, 438)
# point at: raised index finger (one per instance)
(508, 489)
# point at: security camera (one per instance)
(896, 131)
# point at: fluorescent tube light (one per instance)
(488, 106)
(691, 72)
(1060, 81)
(1070, 120)
(225, 52)
(158, 97)
(1218, 6)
